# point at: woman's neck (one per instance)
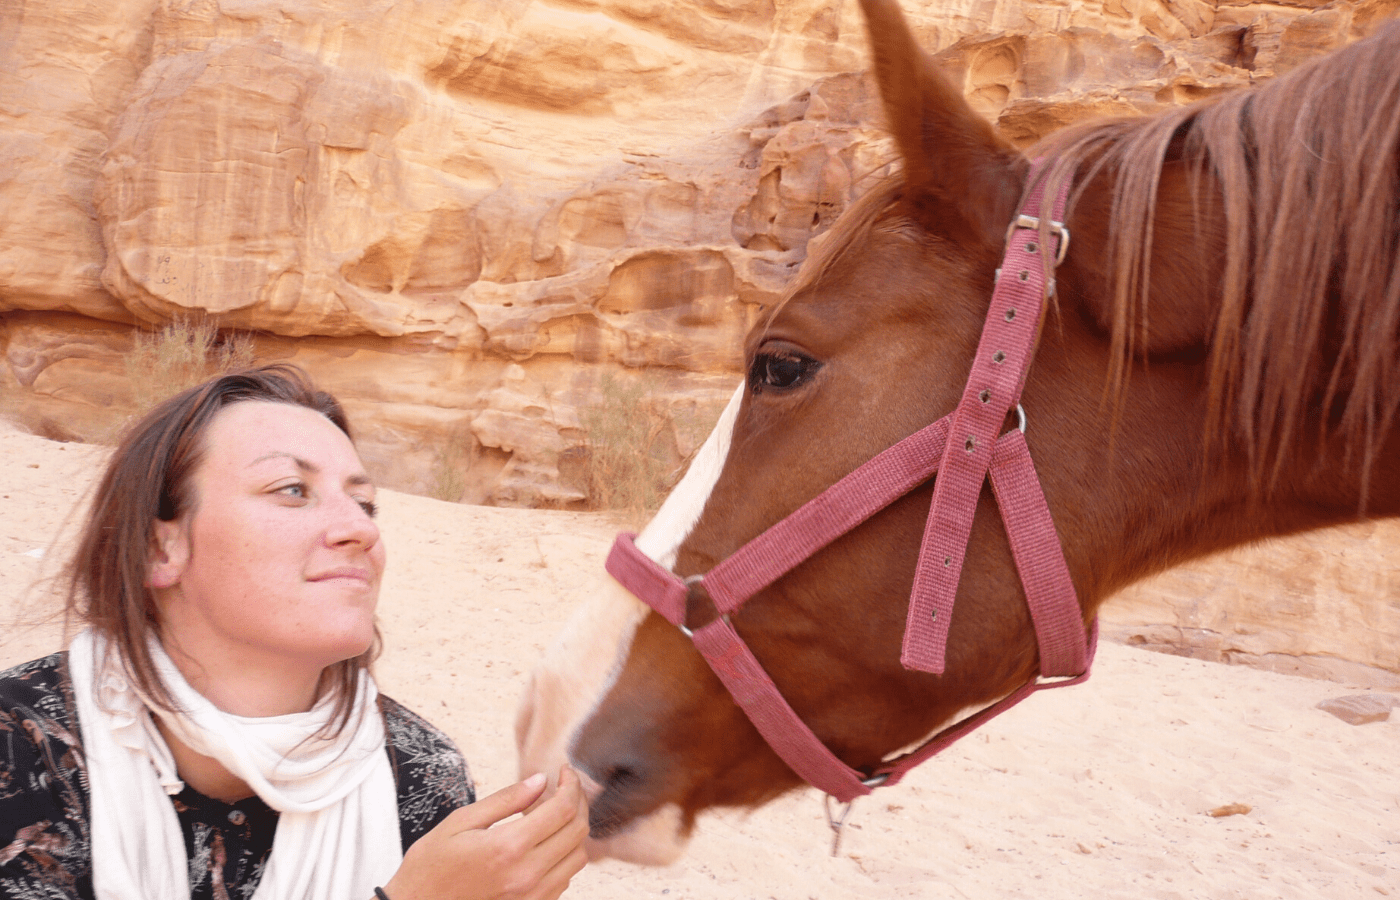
(205, 774)
(241, 688)
(248, 687)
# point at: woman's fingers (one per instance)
(501, 805)
(550, 837)
(558, 858)
(557, 823)
(529, 858)
(573, 827)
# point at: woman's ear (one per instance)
(170, 553)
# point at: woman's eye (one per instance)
(292, 490)
(369, 507)
(780, 370)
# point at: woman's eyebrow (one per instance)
(303, 464)
(359, 479)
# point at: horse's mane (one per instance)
(1308, 170)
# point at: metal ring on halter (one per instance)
(690, 634)
(1064, 241)
(1020, 418)
(688, 581)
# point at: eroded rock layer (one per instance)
(475, 218)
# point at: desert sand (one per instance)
(1102, 791)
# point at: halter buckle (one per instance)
(1032, 223)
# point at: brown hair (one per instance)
(148, 478)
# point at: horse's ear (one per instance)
(962, 178)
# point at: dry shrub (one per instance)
(180, 355)
(693, 424)
(449, 477)
(631, 452)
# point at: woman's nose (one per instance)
(352, 524)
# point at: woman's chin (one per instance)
(347, 645)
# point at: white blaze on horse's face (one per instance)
(576, 673)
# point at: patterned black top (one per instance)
(45, 845)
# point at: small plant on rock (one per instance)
(180, 355)
(630, 450)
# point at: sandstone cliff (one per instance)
(462, 215)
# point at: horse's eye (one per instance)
(780, 370)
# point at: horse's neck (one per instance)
(1169, 496)
(1163, 527)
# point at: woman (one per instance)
(214, 731)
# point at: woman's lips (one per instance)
(345, 573)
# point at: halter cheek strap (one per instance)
(964, 449)
(994, 389)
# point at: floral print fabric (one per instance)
(45, 847)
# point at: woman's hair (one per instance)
(148, 478)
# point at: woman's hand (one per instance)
(531, 858)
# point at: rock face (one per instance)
(466, 217)
(1323, 604)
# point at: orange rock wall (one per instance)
(1324, 604)
(461, 215)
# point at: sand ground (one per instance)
(1102, 791)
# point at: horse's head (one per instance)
(874, 342)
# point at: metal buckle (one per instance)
(690, 634)
(1032, 223)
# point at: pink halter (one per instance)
(963, 448)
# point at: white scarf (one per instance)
(338, 830)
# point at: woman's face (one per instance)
(277, 562)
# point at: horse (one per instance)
(1214, 363)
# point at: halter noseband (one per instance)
(964, 448)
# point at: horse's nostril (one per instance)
(620, 778)
(618, 801)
